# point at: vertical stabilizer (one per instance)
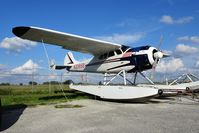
(69, 59)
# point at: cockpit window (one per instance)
(124, 48)
(111, 54)
(101, 57)
(118, 51)
(129, 50)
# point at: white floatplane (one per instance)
(184, 84)
(108, 58)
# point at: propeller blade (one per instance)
(152, 74)
(157, 56)
(160, 43)
(165, 55)
(155, 63)
(153, 68)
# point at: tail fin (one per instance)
(69, 59)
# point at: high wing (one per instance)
(67, 41)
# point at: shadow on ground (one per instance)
(69, 94)
(147, 100)
(9, 115)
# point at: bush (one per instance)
(67, 82)
(32, 82)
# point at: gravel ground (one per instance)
(102, 117)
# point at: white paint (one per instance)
(117, 92)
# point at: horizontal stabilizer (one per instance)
(60, 67)
(57, 67)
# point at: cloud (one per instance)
(27, 68)
(166, 19)
(169, 52)
(53, 76)
(183, 38)
(169, 66)
(15, 44)
(184, 20)
(127, 22)
(1, 67)
(197, 64)
(122, 38)
(183, 49)
(195, 39)
(192, 39)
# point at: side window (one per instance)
(111, 54)
(118, 51)
(105, 55)
(101, 57)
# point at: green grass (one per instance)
(39, 95)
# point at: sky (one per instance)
(128, 22)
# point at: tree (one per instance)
(32, 83)
(67, 82)
(7, 84)
(51, 82)
(54, 82)
(45, 83)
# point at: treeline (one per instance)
(67, 82)
(4, 84)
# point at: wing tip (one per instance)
(20, 30)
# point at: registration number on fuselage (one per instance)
(79, 66)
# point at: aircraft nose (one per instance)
(158, 54)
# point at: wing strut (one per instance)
(46, 53)
(50, 66)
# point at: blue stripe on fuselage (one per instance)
(137, 49)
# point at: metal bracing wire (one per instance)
(48, 59)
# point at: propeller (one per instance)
(161, 41)
(158, 54)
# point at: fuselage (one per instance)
(125, 58)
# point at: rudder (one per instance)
(69, 59)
